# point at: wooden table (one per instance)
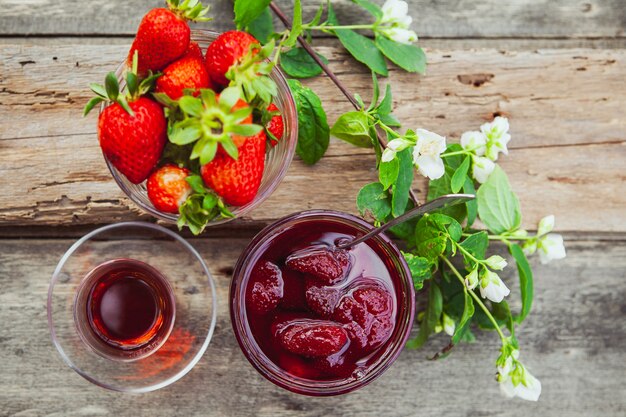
(555, 68)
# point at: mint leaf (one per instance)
(498, 206)
(458, 179)
(525, 280)
(262, 27)
(246, 11)
(313, 130)
(373, 199)
(297, 63)
(353, 127)
(468, 313)
(371, 7)
(388, 172)
(410, 58)
(433, 314)
(419, 267)
(401, 188)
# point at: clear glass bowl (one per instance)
(277, 158)
(192, 287)
(404, 290)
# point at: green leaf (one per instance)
(410, 58)
(371, 7)
(353, 127)
(185, 136)
(420, 269)
(196, 183)
(385, 106)
(471, 206)
(298, 63)
(132, 82)
(111, 85)
(390, 120)
(433, 313)
(498, 206)
(208, 152)
(374, 200)
(388, 172)
(432, 233)
(91, 104)
(246, 11)
(192, 106)
(262, 27)
(468, 313)
(476, 244)
(442, 186)
(296, 24)
(98, 89)
(400, 190)
(458, 179)
(525, 280)
(363, 49)
(313, 130)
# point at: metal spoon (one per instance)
(441, 202)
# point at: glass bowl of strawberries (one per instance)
(201, 137)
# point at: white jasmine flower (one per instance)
(474, 141)
(396, 22)
(448, 325)
(471, 279)
(491, 287)
(496, 262)
(396, 12)
(498, 137)
(482, 168)
(551, 247)
(545, 225)
(529, 247)
(395, 146)
(426, 154)
(400, 35)
(516, 381)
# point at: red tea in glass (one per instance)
(329, 320)
(124, 309)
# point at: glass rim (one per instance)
(290, 137)
(55, 278)
(265, 366)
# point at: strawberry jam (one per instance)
(319, 313)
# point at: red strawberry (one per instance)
(227, 49)
(312, 338)
(265, 288)
(237, 181)
(163, 35)
(184, 73)
(367, 314)
(335, 365)
(322, 300)
(275, 126)
(194, 51)
(167, 188)
(133, 143)
(329, 265)
(239, 140)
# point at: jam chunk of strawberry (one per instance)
(326, 264)
(265, 289)
(322, 300)
(312, 338)
(294, 290)
(367, 314)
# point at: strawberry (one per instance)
(275, 127)
(312, 338)
(184, 73)
(167, 188)
(326, 264)
(194, 51)
(265, 289)
(229, 48)
(133, 130)
(163, 34)
(237, 180)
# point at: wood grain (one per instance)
(565, 106)
(451, 18)
(573, 341)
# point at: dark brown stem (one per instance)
(305, 45)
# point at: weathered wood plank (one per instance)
(452, 18)
(565, 106)
(573, 341)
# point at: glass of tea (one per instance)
(315, 319)
(131, 307)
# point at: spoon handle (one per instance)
(443, 201)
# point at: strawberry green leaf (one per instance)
(191, 105)
(112, 86)
(196, 183)
(184, 136)
(208, 153)
(98, 89)
(122, 102)
(230, 148)
(246, 130)
(91, 104)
